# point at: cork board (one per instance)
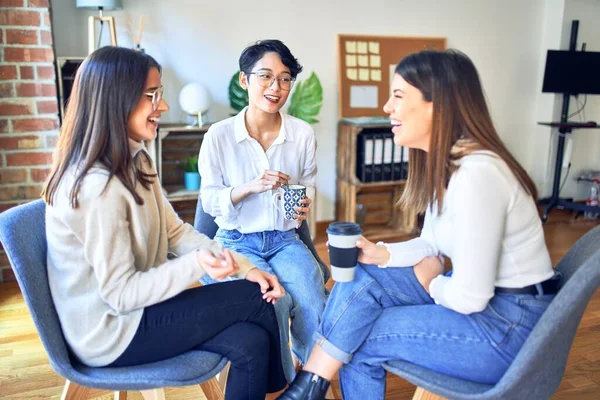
(366, 67)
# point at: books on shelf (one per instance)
(378, 158)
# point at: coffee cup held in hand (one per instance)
(287, 197)
(343, 253)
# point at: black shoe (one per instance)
(306, 386)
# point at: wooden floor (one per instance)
(25, 372)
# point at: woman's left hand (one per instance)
(306, 202)
(269, 284)
(427, 269)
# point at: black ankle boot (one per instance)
(306, 386)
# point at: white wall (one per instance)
(201, 41)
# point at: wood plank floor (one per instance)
(26, 374)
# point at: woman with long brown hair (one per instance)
(119, 299)
(480, 212)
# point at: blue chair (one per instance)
(205, 223)
(538, 369)
(23, 235)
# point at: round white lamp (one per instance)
(195, 100)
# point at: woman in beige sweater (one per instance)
(109, 227)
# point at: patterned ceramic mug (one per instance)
(288, 197)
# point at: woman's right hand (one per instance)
(268, 180)
(370, 253)
(215, 267)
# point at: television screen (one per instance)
(572, 72)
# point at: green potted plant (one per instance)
(192, 176)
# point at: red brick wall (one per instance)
(28, 104)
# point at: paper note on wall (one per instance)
(376, 75)
(363, 97)
(352, 74)
(350, 60)
(363, 74)
(361, 47)
(375, 61)
(350, 47)
(374, 47)
(363, 61)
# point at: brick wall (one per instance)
(28, 104)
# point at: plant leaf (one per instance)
(307, 99)
(238, 97)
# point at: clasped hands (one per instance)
(273, 180)
(225, 265)
(425, 270)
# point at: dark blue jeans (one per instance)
(228, 318)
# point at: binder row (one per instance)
(378, 158)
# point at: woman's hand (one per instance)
(370, 253)
(217, 268)
(427, 269)
(306, 202)
(269, 284)
(268, 180)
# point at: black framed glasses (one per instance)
(156, 96)
(266, 79)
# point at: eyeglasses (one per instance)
(156, 96)
(266, 79)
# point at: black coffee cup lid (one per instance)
(344, 228)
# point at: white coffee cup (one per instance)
(343, 253)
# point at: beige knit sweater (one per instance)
(107, 260)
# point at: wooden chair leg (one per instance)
(212, 390)
(153, 394)
(329, 394)
(222, 377)
(72, 391)
(422, 394)
(122, 395)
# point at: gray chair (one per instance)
(205, 223)
(23, 235)
(538, 369)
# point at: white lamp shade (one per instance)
(96, 4)
(194, 99)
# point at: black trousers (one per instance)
(230, 319)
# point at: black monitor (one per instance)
(573, 72)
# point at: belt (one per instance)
(549, 286)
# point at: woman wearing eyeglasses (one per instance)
(245, 158)
(120, 300)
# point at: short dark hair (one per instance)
(256, 51)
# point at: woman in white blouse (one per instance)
(242, 161)
(480, 212)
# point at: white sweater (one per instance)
(107, 260)
(489, 228)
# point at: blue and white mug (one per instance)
(287, 197)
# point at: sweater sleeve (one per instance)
(107, 248)
(479, 204)
(215, 195)
(183, 238)
(410, 252)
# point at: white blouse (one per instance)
(489, 228)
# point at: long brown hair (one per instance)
(107, 88)
(461, 124)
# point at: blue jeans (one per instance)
(283, 254)
(385, 314)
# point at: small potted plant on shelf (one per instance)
(192, 176)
